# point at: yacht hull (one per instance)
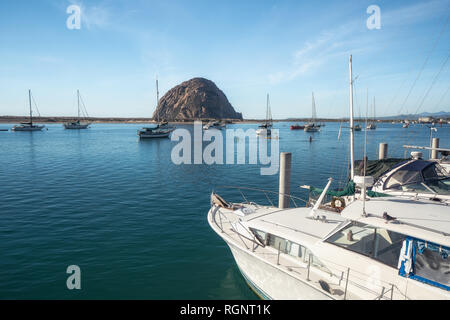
(269, 282)
(154, 136)
(34, 128)
(78, 126)
(263, 132)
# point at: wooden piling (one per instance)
(382, 151)
(435, 144)
(285, 180)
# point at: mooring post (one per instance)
(435, 144)
(285, 180)
(382, 152)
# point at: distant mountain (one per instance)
(436, 115)
(197, 98)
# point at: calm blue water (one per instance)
(134, 222)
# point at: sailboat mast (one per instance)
(352, 156)
(78, 96)
(313, 120)
(31, 113)
(157, 99)
(374, 115)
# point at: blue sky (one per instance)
(248, 48)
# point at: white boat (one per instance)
(78, 124)
(161, 129)
(291, 254)
(28, 126)
(312, 126)
(214, 125)
(372, 125)
(413, 178)
(376, 249)
(265, 128)
(155, 132)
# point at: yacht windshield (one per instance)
(420, 176)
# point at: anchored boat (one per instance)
(162, 129)
(214, 125)
(28, 126)
(297, 127)
(312, 126)
(78, 124)
(372, 125)
(265, 128)
(413, 178)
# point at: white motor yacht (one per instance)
(214, 125)
(413, 178)
(382, 249)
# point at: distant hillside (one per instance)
(436, 115)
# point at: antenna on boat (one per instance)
(365, 155)
(78, 95)
(352, 156)
(31, 113)
(157, 98)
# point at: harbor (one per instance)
(130, 232)
(233, 157)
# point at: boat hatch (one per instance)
(426, 262)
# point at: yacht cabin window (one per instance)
(419, 176)
(288, 247)
(378, 243)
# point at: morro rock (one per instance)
(197, 98)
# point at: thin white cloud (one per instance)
(351, 35)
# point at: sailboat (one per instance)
(357, 126)
(265, 128)
(372, 125)
(77, 124)
(161, 129)
(326, 253)
(28, 126)
(312, 126)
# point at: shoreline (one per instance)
(61, 120)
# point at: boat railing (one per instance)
(221, 216)
(245, 191)
(381, 290)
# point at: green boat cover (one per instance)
(349, 190)
(376, 168)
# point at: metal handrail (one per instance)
(265, 192)
(239, 235)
